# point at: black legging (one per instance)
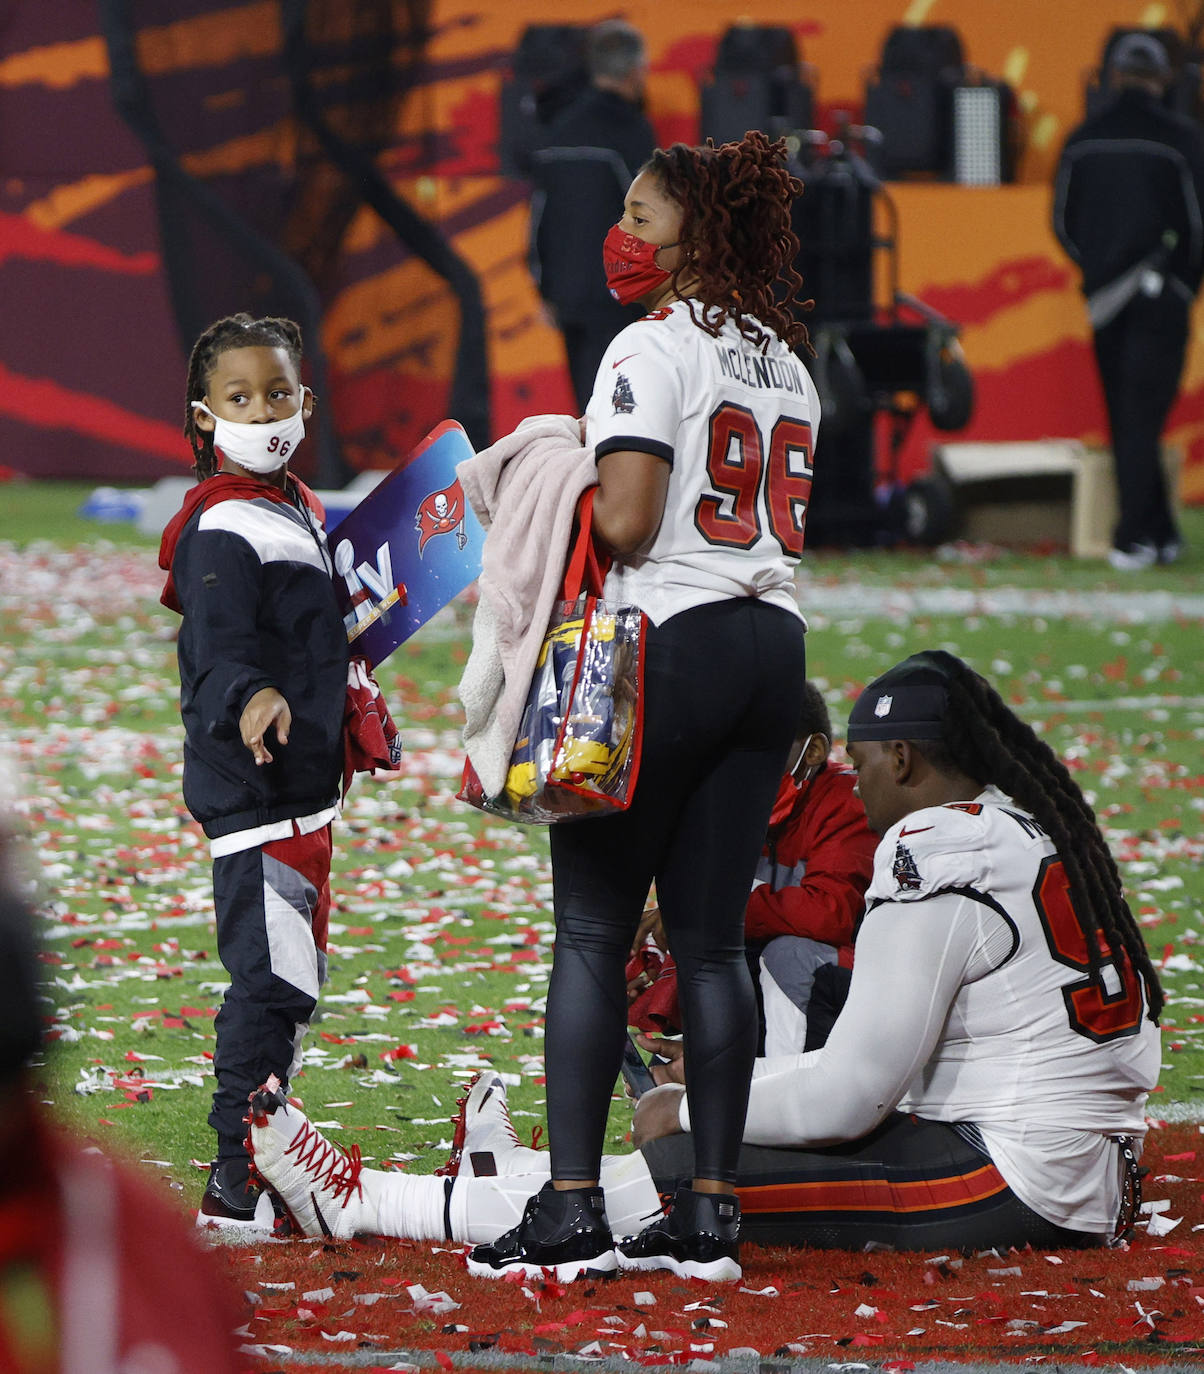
(722, 694)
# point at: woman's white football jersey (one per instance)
(738, 428)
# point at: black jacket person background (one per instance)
(1129, 192)
(581, 171)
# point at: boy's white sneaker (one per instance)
(320, 1184)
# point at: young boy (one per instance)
(263, 681)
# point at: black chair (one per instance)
(548, 71)
(909, 99)
(757, 83)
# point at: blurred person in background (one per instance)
(582, 170)
(1129, 209)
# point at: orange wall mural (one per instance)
(92, 369)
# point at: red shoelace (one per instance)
(329, 1166)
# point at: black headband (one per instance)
(908, 701)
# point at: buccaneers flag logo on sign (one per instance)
(441, 512)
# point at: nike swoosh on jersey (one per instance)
(918, 830)
(624, 360)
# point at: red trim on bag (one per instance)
(637, 729)
(586, 568)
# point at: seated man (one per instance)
(805, 903)
(984, 1085)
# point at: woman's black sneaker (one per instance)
(699, 1238)
(563, 1232)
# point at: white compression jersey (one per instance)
(970, 1002)
(738, 428)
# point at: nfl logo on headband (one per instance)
(908, 701)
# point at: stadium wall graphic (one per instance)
(166, 161)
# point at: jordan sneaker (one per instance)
(563, 1233)
(235, 1204)
(699, 1238)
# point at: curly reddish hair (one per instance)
(736, 235)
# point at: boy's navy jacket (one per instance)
(249, 571)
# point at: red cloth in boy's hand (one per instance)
(654, 1006)
(370, 738)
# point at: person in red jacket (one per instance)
(807, 897)
(99, 1271)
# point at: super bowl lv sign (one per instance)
(371, 590)
(393, 570)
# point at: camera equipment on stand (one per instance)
(834, 221)
(876, 368)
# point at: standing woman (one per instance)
(702, 421)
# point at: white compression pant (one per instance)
(417, 1207)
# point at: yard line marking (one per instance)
(821, 600)
(1057, 706)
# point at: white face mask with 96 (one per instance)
(260, 448)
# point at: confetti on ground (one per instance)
(1110, 1309)
(441, 940)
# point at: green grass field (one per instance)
(441, 930)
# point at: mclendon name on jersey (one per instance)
(752, 369)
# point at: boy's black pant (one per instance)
(272, 905)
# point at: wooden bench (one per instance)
(1046, 491)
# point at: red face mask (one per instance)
(631, 268)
